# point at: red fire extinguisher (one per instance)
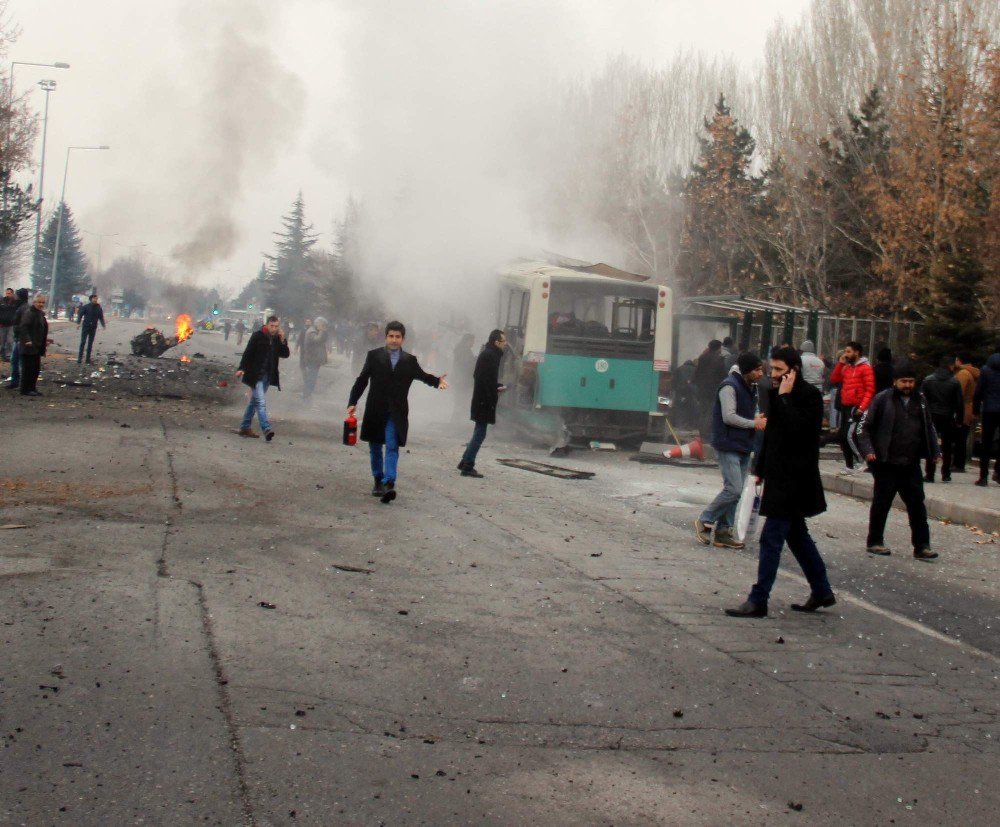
(351, 430)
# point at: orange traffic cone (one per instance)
(692, 449)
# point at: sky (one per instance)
(219, 112)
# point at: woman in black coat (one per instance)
(390, 371)
(789, 468)
(485, 395)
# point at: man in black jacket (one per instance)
(943, 393)
(788, 466)
(259, 370)
(20, 304)
(32, 337)
(391, 371)
(87, 321)
(895, 433)
(485, 395)
(8, 309)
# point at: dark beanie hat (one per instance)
(904, 369)
(748, 361)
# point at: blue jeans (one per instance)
(385, 470)
(776, 533)
(472, 449)
(15, 364)
(722, 510)
(258, 405)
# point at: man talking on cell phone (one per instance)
(259, 370)
(788, 466)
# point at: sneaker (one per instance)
(879, 549)
(946, 478)
(928, 478)
(461, 466)
(471, 472)
(703, 532)
(848, 470)
(249, 432)
(390, 493)
(982, 482)
(378, 489)
(724, 538)
(269, 435)
(924, 554)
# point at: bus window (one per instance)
(602, 310)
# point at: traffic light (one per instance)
(249, 307)
(215, 309)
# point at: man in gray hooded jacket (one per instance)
(813, 369)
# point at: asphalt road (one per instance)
(200, 628)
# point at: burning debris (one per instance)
(152, 344)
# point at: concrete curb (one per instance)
(860, 487)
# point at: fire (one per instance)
(185, 330)
(185, 359)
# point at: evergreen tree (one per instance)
(20, 207)
(338, 287)
(955, 319)
(71, 271)
(855, 168)
(290, 286)
(252, 292)
(723, 197)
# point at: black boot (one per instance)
(390, 493)
(748, 609)
(378, 490)
(814, 603)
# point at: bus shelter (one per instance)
(753, 323)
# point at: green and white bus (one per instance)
(588, 346)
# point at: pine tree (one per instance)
(339, 288)
(19, 206)
(252, 292)
(723, 197)
(955, 319)
(290, 286)
(71, 272)
(855, 169)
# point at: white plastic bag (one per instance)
(748, 509)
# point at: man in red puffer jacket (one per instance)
(856, 378)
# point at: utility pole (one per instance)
(48, 86)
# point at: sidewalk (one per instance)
(958, 501)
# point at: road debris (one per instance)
(556, 471)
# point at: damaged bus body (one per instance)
(588, 345)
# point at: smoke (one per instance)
(450, 101)
(247, 108)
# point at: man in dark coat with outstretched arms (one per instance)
(789, 468)
(485, 395)
(391, 371)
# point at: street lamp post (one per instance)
(10, 107)
(59, 225)
(10, 87)
(48, 86)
